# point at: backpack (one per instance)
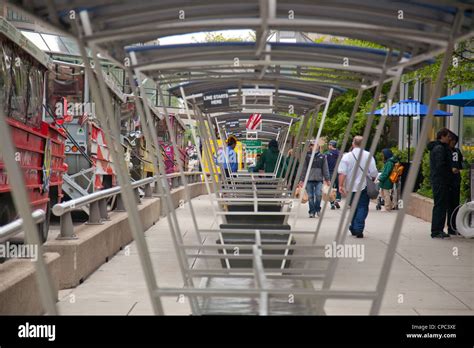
(396, 173)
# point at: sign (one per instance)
(216, 100)
(232, 124)
(254, 122)
(257, 92)
(254, 146)
(251, 135)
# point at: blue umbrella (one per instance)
(460, 99)
(469, 111)
(409, 108)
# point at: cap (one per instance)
(333, 143)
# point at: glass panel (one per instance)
(36, 39)
(4, 77)
(71, 45)
(18, 90)
(54, 43)
(35, 85)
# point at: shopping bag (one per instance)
(299, 191)
(329, 193)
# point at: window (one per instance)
(18, 90)
(4, 77)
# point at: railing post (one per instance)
(148, 191)
(119, 206)
(137, 195)
(94, 214)
(104, 215)
(66, 227)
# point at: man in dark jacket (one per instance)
(332, 156)
(318, 173)
(269, 158)
(457, 165)
(385, 183)
(440, 176)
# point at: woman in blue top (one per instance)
(229, 160)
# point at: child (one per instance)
(384, 179)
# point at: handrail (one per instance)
(66, 207)
(97, 201)
(9, 230)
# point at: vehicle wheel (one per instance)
(43, 228)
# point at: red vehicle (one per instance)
(39, 145)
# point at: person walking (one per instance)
(318, 173)
(385, 183)
(269, 159)
(457, 165)
(229, 160)
(332, 155)
(440, 177)
(346, 172)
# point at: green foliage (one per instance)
(425, 187)
(339, 113)
(219, 37)
(460, 72)
(465, 175)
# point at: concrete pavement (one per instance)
(429, 276)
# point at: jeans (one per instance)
(441, 197)
(358, 221)
(315, 194)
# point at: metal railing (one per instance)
(97, 201)
(11, 229)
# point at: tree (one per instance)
(216, 36)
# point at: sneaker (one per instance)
(452, 233)
(311, 216)
(333, 207)
(317, 213)
(360, 235)
(336, 203)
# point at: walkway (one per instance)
(429, 276)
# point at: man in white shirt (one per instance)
(346, 171)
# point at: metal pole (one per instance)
(334, 177)
(413, 173)
(313, 152)
(118, 159)
(180, 165)
(344, 224)
(193, 133)
(144, 113)
(23, 207)
(299, 136)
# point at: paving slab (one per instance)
(434, 277)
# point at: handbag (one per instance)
(372, 189)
